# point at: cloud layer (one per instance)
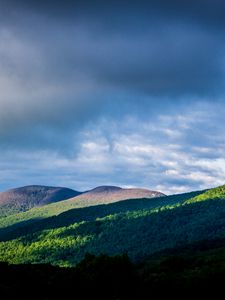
(102, 93)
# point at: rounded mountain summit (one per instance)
(114, 193)
(24, 198)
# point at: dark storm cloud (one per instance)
(154, 47)
(205, 12)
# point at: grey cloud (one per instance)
(161, 57)
(131, 152)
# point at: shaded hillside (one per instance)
(109, 194)
(25, 198)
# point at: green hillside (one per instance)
(136, 227)
(213, 194)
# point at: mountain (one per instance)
(99, 195)
(173, 243)
(109, 194)
(138, 227)
(65, 213)
(27, 197)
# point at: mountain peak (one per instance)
(105, 189)
(109, 194)
(27, 197)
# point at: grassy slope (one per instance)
(140, 231)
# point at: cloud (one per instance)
(127, 93)
(205, 11)
(112, 152)
(50, 72)
(152, 158)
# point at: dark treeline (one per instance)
(190, 273)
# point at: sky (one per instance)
(127, 93)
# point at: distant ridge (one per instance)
(115, 193)
(105, 188)
(24, 198)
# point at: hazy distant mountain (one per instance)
(113, 193)
(27, 197)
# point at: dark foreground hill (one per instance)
(191, 273)
(25, 198)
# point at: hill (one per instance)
(194, 271)
(34, 220)
(99, 195)
(110, 194)
(27, 197)
(137, 227)
(140, 228)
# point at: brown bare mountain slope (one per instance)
(27, 197)
(109, 194)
